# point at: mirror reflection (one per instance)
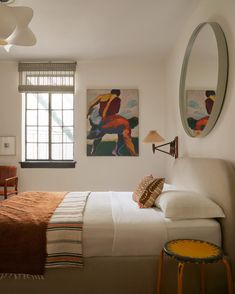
(203, 79)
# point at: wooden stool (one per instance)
(193, 251)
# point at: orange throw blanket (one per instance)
(23, 224)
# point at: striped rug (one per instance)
(64, 232)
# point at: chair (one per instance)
(8, 181)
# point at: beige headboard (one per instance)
(216, 178)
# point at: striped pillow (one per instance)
(151, 192)
(141, 187)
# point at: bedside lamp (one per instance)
(153, 137)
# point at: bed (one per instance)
(123, 257)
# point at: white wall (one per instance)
(92, 173)
(159, 108)
(220, 142)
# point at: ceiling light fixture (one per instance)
(14, 22)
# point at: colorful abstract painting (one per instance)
(199, 108)
(112, 122)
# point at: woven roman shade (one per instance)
(46, 77)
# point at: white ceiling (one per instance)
(95, 29)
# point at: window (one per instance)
(48, 134)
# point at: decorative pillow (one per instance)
(141, 187)
(147, 198)
(187, 205)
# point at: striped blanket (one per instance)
(64, 232)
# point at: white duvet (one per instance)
(114, 225)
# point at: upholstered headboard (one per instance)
(216, 178)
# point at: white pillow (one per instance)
(168, 187)
(187, 205)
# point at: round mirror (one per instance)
(203, 79)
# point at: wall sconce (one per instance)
(154, 137)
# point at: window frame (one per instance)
(47, 163)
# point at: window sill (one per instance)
(48, 164)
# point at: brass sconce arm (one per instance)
(173, 148)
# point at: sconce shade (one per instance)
(153, 137)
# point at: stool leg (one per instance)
(229, 276)
(180, 277)
(202, 276)
(160, 273)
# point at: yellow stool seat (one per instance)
(193, 251)
(196, 251)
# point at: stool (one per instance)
(193, 251)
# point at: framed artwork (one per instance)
(112, 122)
(199, 107)
(7, 145)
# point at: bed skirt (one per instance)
(118, 275)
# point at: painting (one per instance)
(7, 145)
(112, 122)
(199, 107)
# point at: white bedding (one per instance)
(115, 226)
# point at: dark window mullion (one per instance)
(37, 127)
(73, 120)
(25, 127)
(50, 127)
(62, 155)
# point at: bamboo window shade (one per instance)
(47, 77)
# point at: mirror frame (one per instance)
(221, 80)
